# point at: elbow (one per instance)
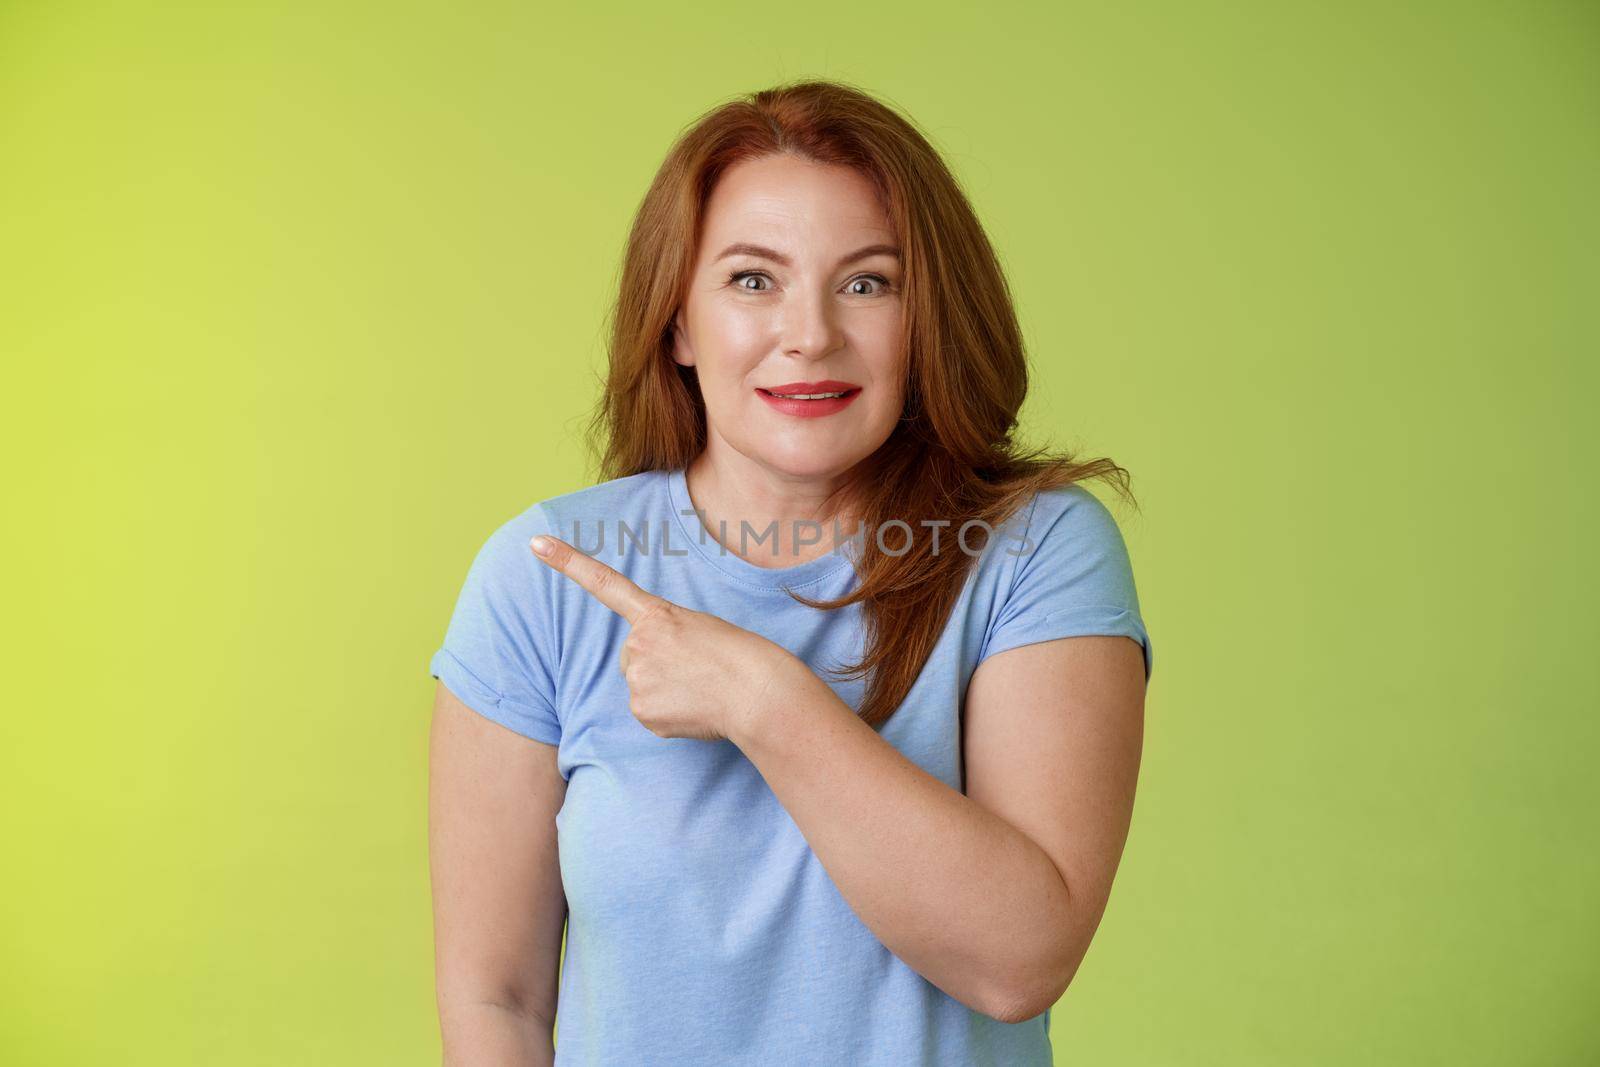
(1031, 991)
(475, 1002)
(1018, 1006)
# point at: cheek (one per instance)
(731, 329)
(891, 403)
(888, 364)
(731, 348)
(728, 365)
(882, 338)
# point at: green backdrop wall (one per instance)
(298, 302)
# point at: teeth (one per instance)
(806, 396)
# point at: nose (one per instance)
(810, 326)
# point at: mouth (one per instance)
(831, 395)
(827, 389)
(809, 400)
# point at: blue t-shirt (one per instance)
(701, 927)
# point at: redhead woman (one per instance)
(815, 723)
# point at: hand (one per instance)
(690, 674)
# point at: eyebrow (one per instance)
(761, 251)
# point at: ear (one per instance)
(682, 354)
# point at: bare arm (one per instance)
(992, 895)
(498, 904)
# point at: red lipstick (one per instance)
(810, 409)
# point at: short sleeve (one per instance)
(1074, 578)
(499, 655)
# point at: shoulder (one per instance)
(1072, 553)
(1071, 575)
(1073, 504)
(1069, 518)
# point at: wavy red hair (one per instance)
(951, 457)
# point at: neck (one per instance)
(728, 488)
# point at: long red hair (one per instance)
(951, 457)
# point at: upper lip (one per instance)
(827, 385)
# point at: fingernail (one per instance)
(542, 545)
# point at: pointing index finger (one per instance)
(610, 587)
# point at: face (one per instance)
(796, 290)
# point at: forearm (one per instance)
(478, 1034)
(957, 893)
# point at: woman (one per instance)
(813, 769)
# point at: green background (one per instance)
(298, 303)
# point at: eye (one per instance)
(883, 283)
(739, 277)
(736, 278)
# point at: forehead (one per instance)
(785, 198)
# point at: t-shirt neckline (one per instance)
(701, 542)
